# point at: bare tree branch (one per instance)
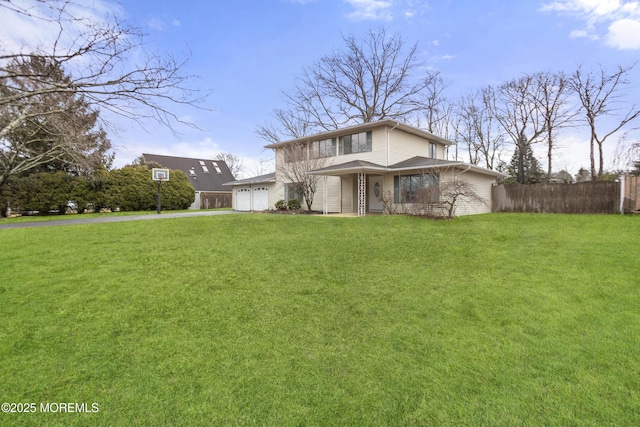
(599, 95)
(372, 79)
(298, 161)
(105, 64)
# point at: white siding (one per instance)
(276, 192)
(347, 194)
(334, 187)
(482, 186)
(333, 192)
(403, 146)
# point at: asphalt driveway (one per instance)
(77, 219)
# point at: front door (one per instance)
(375, 193)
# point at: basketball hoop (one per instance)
(158, 174)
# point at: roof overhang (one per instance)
(262, 179)
(414, 164)
(356, 166)
(391, 124)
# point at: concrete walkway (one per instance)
(77, 219)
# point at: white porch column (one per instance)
(362, 193)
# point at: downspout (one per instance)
(388, 132)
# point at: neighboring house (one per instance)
(207, 177)
(381, 166)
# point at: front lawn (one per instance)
(306, 320)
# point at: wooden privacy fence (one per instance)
(632, 193)
(584, 197)
(215, 200)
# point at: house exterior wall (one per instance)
(348, 204)
(391, 143)
(403, 146)
(480, 183)
(334, 189)
(387, 147)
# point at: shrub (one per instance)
(293, 204)
(281, 205)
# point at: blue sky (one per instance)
(249, 51)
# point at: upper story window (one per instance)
(216, 167)
(324, 148)
(295, 153)
(356, 143)
(433, 150)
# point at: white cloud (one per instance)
(370, 10)
(40, 30)
(622, 20)
(624, 34)
(156, 24)
(576, 34)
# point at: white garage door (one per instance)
(260, 198)
(243, 199)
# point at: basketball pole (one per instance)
(159, 207)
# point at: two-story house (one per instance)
(371, 167)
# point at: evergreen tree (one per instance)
(58, 131)
(524, 166)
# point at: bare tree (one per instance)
(452, 193)
(479, 129)
(553, 105)
(600, 93)
(290, 123)
(436, 112)
(262, 167)
(106, 65)
(294, 170)
(516, 109)
(234, 163)
(371, 79)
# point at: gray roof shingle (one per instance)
(204, 174)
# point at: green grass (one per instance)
(39, 218)
(295, 320)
